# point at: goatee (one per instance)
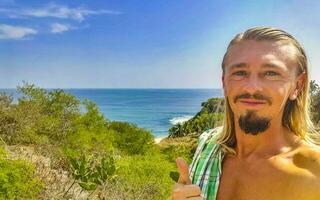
(252, 124)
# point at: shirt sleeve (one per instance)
(201, 144)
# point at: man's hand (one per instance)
(183, 189)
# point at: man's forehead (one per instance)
(271, 54)
(267, 64)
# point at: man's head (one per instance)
(265, 80)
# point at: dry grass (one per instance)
(187, 140)
(57, 181)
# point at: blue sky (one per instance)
(137, 43)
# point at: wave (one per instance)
(180, 120)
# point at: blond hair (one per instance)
(296, 116)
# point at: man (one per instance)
(267, 148)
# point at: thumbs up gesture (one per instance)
(183, 189)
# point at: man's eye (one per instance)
(271, 73)
(240, 73)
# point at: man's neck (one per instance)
(275, 140)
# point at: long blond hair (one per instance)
(296, 116)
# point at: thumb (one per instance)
(184, 171)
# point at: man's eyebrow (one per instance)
(238, 65)
(243, 65)
(270, 65)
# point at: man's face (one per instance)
(259, 78)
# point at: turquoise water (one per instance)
(154, 109)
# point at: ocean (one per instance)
(153, 109)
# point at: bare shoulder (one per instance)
(308, 157)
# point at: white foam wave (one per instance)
(180, 120)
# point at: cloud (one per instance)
(59, 28)
(55, 11)
(15, 32)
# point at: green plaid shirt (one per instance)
(205, 169)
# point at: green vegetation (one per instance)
(209, 117)
(315, 102)
(95, 152)
(130, 139)
(147, 176)
(179, 147)
(17, 179)
(89, 173)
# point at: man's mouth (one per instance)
(251, 102)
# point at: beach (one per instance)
(158, 139)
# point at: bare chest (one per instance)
(263, 181)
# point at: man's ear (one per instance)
(300, 81)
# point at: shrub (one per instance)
(146, 176)
(209, 117)
(17, 180)
(89, 173)
(130, 139)
(183, 147)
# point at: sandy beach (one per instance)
(158, 139)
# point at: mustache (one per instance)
(256, 96)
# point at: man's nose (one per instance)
(253, 84)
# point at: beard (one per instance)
(252, 124)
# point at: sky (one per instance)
(138, 43)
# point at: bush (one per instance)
(210, 116)
(87, 142)
(130, 139)
(315, 102)
(17, 180)
(90, 173)
(38, 117)
(91, 135)
(183, 147)
(146, 176)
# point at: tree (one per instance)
(208, 117)
(315, 101)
